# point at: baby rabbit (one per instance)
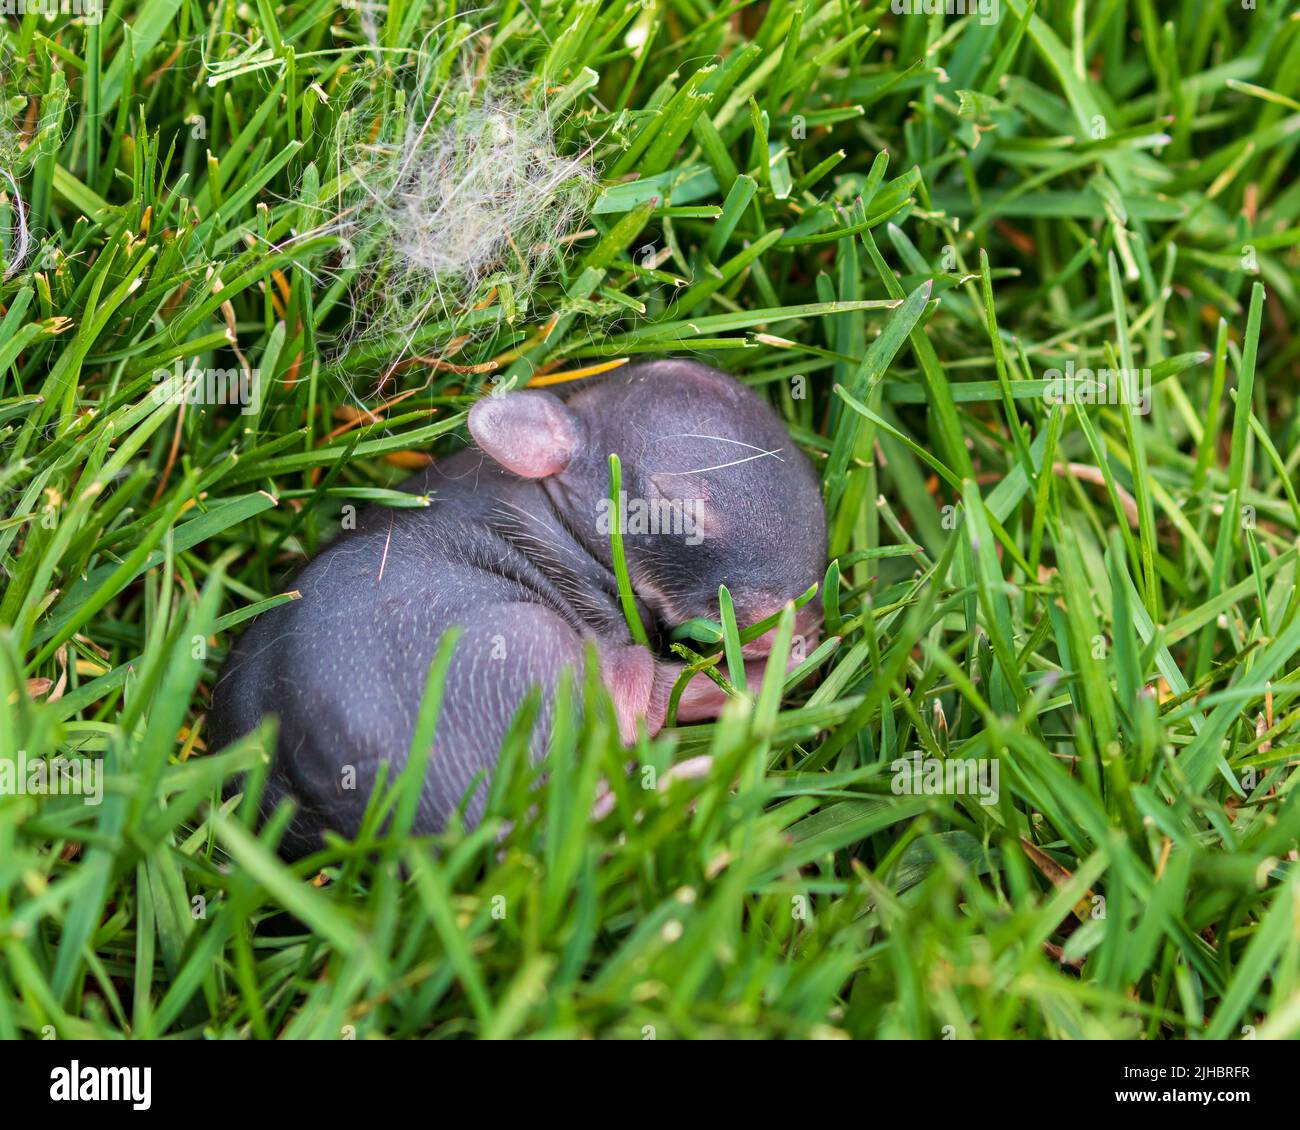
(515, 550)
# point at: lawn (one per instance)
(1022, 283)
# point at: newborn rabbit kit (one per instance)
(514, 550)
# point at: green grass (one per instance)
(897, 226)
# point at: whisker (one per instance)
(724, 466)
(722, 439)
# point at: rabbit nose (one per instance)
(807, 623)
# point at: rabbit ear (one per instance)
(531, 433)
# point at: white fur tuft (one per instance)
(471, 193)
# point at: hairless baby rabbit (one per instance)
(514, 549)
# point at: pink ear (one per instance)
(530, 433)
